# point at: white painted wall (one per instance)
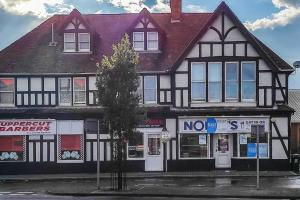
(165, 82)
(181, 80)
(282, 124)
(183, 67)
(265, 79)
(277, 150)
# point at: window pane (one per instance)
(248, 90)
(70, 147)
(248, 145)
(11, 148)
(70, 46)
(198, 72)
(248, 71)
(231, 71)
(193, 145)
(69, 37)
(7, 84)
(231, 89)
(214, 72)
(153, 145)
(49, 84)
(79, 83)
(152, 36)
(138, 45)
(65, 84)
(92, 83)
(136, 146)
(65, 97)
(138, 36)
(36, 84)
(22, 84)
(6, 98)
(84, 46)
(149, 95)
(84, 37)
(153, 45)
(150, 82)
(79, 97)
(215, 91)
(198, 90)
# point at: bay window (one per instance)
(12, 148)
(193, 145)
(198, 81)
(214, 82)
(248, 81)
(69, 42)
(150, 89)
(231, 77)
(65, 92)
(84, 42)
(7, 91)
(79, 91)
(138, 41)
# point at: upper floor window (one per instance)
(198, 81)
(248, 81)
(7, 91)
(84, 42)
(65, 92)
(140, 89)
(77, 42)
(215, 82)
(145, 41)
(150, 89)
(79, 88)
(231, 77)
(69, 42)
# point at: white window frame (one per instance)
(205, 83)
(255, 79)
(79, 43)
(150, 102)
(134, 40)
(239, 152)
(237, 81)
(208, 138)
(4, 104)
(69, 50)
(148, 40)
(59, 90)
(208, 83)
(79, 103)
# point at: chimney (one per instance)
(175, 10)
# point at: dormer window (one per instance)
(139, 39)
(69, 42)
(84, 42)
(152, 41)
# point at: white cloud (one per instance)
(290, 10)
(195, 8)
(39, 8)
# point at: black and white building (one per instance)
(195, 70)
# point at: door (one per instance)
(223, 151)
(153, 158)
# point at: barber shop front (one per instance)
(224, 141)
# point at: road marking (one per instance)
(16, 194)
(24, 192)
(5, 192)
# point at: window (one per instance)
(193, 145)
(70, 141)
(138, 41)
(152, 41)
(215, 82)
(22, 92)
(136, 146)
(36, 91)
(84, 42)
(150, 89)
(140, 89)
(7, 91)
(247, 144)
(69, 42)
(154, 144)
(49, 91)
(65, 91)
(22, 84)
(12, 148)
(198, 82)
(93, 99)
(248, 81)
(231, 77)
(79, 89)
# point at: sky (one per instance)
(275, 22)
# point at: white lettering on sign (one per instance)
(27, 127)
(223, 125)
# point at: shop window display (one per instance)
(12, 148)
(193, 145)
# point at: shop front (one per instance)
(222, 139)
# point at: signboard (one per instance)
(151, 123)
(202, 139)
(221, 125)
(28, 127)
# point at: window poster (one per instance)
(243, 139)
(202, 139)
(263, 150)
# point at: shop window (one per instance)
(193, 145)
(65, 92)
(231, 81)
(215, 82)
(69, 42)
(248, 81)
(136, 146)
(79, 91)
(12, 148)
(84, 42)
(198, 82)
(247, 143)
(150, 89)
(70, 141)
(7, 91)
(138, 41)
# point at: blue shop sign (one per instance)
(263, 150)
(211, 125)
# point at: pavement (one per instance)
(210, 184)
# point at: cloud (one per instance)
(195, 8)
(135, 6)
(38, 8)
(290, 10)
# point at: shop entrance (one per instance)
(223, 150)
(153, 157)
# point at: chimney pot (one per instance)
(175, 10)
